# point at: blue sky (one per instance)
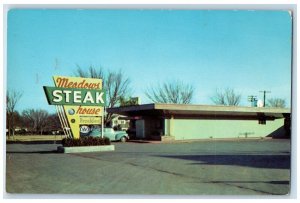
(245, 50)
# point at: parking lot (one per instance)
(239, 167)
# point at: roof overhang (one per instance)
(209, 111)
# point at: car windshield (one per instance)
(108, 130)
(95, 132)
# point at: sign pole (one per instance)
(102, 122)
(61, 121)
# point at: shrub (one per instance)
(85, 141)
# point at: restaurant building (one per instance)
(182, 122)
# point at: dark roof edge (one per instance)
(131, 108)
(193, 107)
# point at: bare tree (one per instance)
(115, 83)
(91, 72)
(128, 101)
(12, 98)
(37, 119)
(276, 102)
(219, 98)
(174, 92)
(53, 124)
(227, 97)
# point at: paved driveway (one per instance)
(257, 167)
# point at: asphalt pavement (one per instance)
(247, 167)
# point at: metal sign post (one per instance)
(102, 123)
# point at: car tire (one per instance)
(123, 139)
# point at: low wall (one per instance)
(208, 128)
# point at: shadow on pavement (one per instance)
(139, 141)
(34, 142)
(268, 182)
(33, 152)
(256, 161)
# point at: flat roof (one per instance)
(199, 110)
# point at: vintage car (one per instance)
(111, 134)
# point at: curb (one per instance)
(201, 140)
(103, 148)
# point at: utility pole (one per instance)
(265, 91)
